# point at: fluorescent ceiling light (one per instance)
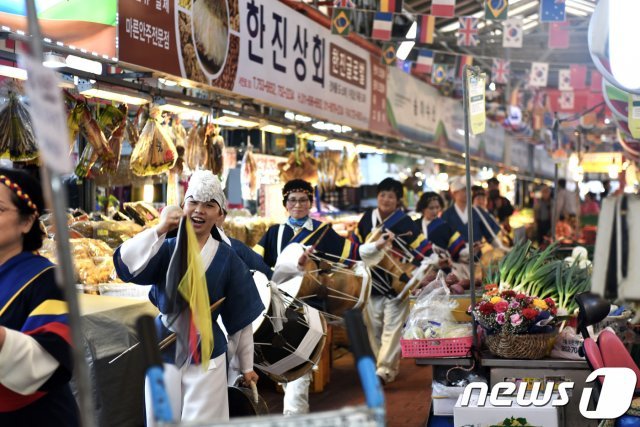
(448, 28)
(82, 64)
(576, 12)
(167, 82)
(113, 94)
(519, 9)
(313, 136)
(370, 149)
(334, 144)
(580, 6)
(290, 115)
(406, 46)
(181, 110)
(234, 121)
(530, 25)
(275, 129)
(53, 60)
(13, 72)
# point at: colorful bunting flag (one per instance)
(443, 8)
(393, 6)
(566, 101)
(468, 32)
(564, 79)
(512, 33)
(559, 35)
(596, 81)
(539, 74)
(578, 76)
(496, 9)
(500, 70)
(426, 26)
(389, 54)
(341, 21)
(424, 64)
(382, 25)
(463, 60)
(552, 10)
(439, 74)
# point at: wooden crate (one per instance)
(322, 375)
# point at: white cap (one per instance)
(204, 186)
(458, 183)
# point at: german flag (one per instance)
(426, 25)
(393, 6)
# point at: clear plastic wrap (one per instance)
(154, 153)
(17, 140)
(196, 150)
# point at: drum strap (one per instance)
(280, 235)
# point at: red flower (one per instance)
(530, 313)
(553, 311)
(508, 294)
(501, 306)
(521, 296)
(550, 302)
(486, 308)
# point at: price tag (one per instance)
(47, 115)
(477, 116)
(634, 115)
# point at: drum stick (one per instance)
(171, 338)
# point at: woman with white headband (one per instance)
(196, 394)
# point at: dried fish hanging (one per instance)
(17, 141)
(328, 170)
(110, 166)
(249, 175)
(300, 164)
(134, 126)
(196, 150)
(179, 134)
(98, 147)
(215, 151)
(154, 153)
(353, 170)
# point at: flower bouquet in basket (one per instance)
(516, 325)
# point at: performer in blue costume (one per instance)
(197, 395)
(35, 352)
(456, 216)
(297, 197)
(434, 228)
(386, 313)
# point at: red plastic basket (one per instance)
(438, 347)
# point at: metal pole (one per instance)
(56, 195)
(467, 162)
(554, 203)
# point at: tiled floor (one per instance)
(408, 398)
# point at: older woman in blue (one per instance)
(195, 394)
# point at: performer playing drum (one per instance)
(297, 198)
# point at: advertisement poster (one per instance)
(83, 24)
(258, 48)
(413, 106)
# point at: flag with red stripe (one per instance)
(382, 25)
(443, 8)
(426, 26)
(393, 6)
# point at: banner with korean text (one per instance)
(262, 49)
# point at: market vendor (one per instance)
(457, 216)
(385, 312)
(437, 231)
(297, 198)
(35, 353)
(196, 394)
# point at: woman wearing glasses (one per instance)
(35, 355)
(300, 228)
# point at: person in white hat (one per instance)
(457, 216)
(196, 394)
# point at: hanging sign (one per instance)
(477, 115)
(634, 115)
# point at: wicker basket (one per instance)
(527, 346)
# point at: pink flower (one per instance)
(515, 319)
(501, 306)
(500, 319)
(514, 304)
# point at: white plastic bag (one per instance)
(567, 345)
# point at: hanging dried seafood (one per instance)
(17, 140)
(154, 153)
(179, 135)
(329, 172)
(196, 150)
(215, 151)
(353, 170)
(115, 142)
(300, 164)
(249, 175)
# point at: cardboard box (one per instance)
(490, 416)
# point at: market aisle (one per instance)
(408, 398)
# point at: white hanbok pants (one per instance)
(194, 394)
(296, 395)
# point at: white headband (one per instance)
(204, 186)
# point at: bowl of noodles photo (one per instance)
(210, 26)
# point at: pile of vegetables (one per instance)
(540, 273)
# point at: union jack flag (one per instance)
(468, 32)
(500, 70)
(345, 4)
